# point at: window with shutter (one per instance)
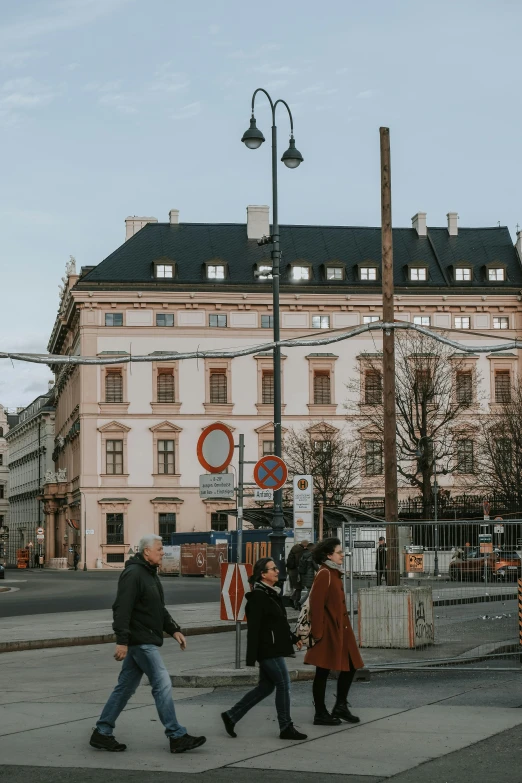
(166, 456)
(166, 386)
(218, 387)
(373, 388)
(322, 394)
(267, 387)
(502, 386)
(114, 457)
(464, 388)
(374, 458)
(114, 386)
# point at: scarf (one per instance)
(333, 566)
(276, 589)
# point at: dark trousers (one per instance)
(273, 674)
(343, 686)
(381, 572)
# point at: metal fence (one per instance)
(435, 594)
(449, 506)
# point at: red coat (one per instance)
(337, 645)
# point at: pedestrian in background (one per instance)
(380, 561)
(292, 568)
(76, 559)
(307, 571)
(335, 645)
(269, 640)
(140, 619)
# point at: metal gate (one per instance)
(449, 593)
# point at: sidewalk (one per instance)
(50, 700)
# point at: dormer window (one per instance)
(418, 273)
(368, 273)
(301, 272)
(164, 270)
(215, 271)
(334, 273)
(496, 274)
(462, 274)
(264, 271)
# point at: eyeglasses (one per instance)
(272, 569)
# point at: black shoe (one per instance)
(291, 733)
(324, 718)
(186, 742)
(341, 711)
(229, 725)
(106, 742)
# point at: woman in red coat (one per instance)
(336, 647)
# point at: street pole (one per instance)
(388, 340)
(253, 138)
(82, 494)
(321, 519)
(435, 513)
(239, 547)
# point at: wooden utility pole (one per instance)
(388, 344)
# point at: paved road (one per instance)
(76, 591)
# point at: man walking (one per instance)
(380, 561)
(140, 618)
(292, 567)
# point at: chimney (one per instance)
(258, 222)
(174, 217)
(453, 228)
(133, 224)
(418, 222)
(518, 244)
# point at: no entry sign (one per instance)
(234, 587)
(215, 447)
(270, 472)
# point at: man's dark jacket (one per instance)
(139, 612)
(268, 635)
(380, 559)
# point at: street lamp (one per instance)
(253, 139)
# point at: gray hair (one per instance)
(147, 542)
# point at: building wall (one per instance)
(30, 444)
(87, 494)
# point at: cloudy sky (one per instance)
(118, 107)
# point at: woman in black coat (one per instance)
(269, 640)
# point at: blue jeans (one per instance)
(272, 674)
(142, 659)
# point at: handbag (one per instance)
(303, 627)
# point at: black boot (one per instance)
(291, 733)
(323, 718)
(341, 711)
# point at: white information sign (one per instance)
(89, 532)
(303, 520)
(303, 493)
(263, 494)
(216, 485)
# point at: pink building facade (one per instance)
(126, 434)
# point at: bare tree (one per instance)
(327, 454)
(434, 389)
(500, 443)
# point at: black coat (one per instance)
(268, 632)
(380, 558)
(307, 570)
(139, 612)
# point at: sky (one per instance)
(110, 108)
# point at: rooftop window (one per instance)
(462, 322)
(301, 272)
(164, 319)
(368, 273)
(418, 273)
(264, 271)
(164, 270)
(216, 271)
(320, 322)
(113, 319)
(462, 274)
(501, 322)
(422, 320)
(217, 320)
(496, 275)
(334, 273)
(370, 319)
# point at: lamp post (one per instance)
(431, 451)
(253, 138)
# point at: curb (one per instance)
(104, 638)
(240, 677)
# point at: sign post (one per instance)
(239, 547)
(303, 508)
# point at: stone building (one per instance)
(30, 444)
(125, 448)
